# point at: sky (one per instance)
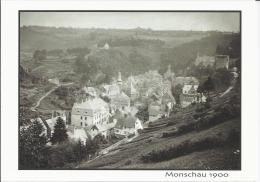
(201, 21)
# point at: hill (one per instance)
(40, 37)
(197, 137)
(184, 55)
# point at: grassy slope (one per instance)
(129, 155)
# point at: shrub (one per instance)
(188, 146)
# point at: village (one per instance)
(111, 110)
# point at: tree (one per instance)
(60, 132)
(32, 147)
(176, 92)
(80, 151)
(143, 114)
(208, 86)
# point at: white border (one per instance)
(9, 89)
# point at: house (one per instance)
(110, 90)
(54, 81)
(154, 110)
(90, 91)
(167, 102)
(106, 46)
(205, 60)
(185, 80)
(190, 89)
(221, 61)
(92, 111)
(190, 95)
(120, 102)
(127, 125)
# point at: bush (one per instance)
(188, 146)
(66, 152)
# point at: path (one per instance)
(45, 95)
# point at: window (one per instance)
(80, 123)
(85, 118)
(86, 124)
(80, 117)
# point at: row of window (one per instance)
(81, 124)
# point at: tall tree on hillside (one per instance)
(32, 147)
(80, 151)
(176, 92)
(208, 86)
(60, 132)
(143, 114)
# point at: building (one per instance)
(205, 60)
(106, 46)
(167, 102)
(190, 95)
(221, 61)
(154, 110)
(54, 81)
(89, 112)
(90, 91)
(190, 89)
(132, 92)
(185, 80)
(110, 90)
(120, 102)
(105, 130)
(127, 125)
(119, 79)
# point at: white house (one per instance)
(120, 102)
(106, 46)
(54, 81)
(190, 95)
(127, 125)
(90, 91)
(110, 90)
(92, 111)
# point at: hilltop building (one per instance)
(221, 61)
(205, 60)
(106, 46)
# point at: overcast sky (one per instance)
(222, 21)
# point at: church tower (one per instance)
(119, 79)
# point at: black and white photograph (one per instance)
(129, 90)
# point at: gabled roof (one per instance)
(126, 122)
